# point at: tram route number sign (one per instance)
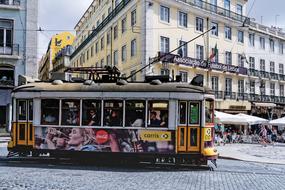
(207, 134)
(155, 135)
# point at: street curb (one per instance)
(237, 159)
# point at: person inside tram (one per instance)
(94, 120)
(154, 121)
(164, 120)
(115, 119)
(139, 120)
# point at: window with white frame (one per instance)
(240, 36)
(262, 65)
(281, 90)
(239, 9)
(281, 68)
(184, 76)
(228, 86)
(124, 25)
(115, 32)
(272, 89)
(133, 17)
(133, 47)
(228, 57)
(262, 42)
(124, 53)
(241, 86)
(183, 50)
(281, 48)
(199, 24)
(240, 60)
(272, 67)
(215, 83)
(164, 44)
(251, 62)
(6, 36)
(251, 39)
(252, 87)
(228, 32)
(271, 45)
(108, 59)
(215, 32)
(116, 57)
(102, 43)
(102, 63)
(200, 52)
(108, 38)
(183, 19)
(164, 13)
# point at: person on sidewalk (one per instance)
(263, 134)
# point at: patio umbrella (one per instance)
(278, 122)
(229, 119)
(252, 120)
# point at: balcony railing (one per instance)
(219, 94)
(230, 95)
(10, 2)
(106, 21)
(264, 74)
(9, 49)
(242, 96)
(274, 76)
(253, 72)
(218, 10)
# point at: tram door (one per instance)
(189, 126)
(24, 122)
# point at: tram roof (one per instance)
(111, 87)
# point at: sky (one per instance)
(62, 15)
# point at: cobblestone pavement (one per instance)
(230, 175)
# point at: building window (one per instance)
(215, 32)
(102, 43)
(116, 57)
(240, 60)
(271, 44)
(102, 63)
(124, 53)
(108, 38)
(215, 84)
(164, 44)
(228, 58)
(262, 42)
(92, 50)
(183, 19)
(281, 68)
(272, 67)
(50, 112)
(281, 90)
(134, 76)
(108, 60)
(158, 113)
(115, 32)
(184, 76)
(6, 37)
(136, 109)
(251, 62)
(113, 113)
(252, 87)
(96, 47)
(262, 65)
(200, 52)
(228, 86)
(133, 48)
(199, 24)
(251, 39)
(124, 25)
(70, 112)
(133, 17)
(281, 48)
(239, 9)
(272, 89)
(241, 86)
(164, 13)
(215, 59)
(183, 50)
(228, 32)
(240, 36)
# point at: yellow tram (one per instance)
(141, 121)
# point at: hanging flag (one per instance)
(214, 53)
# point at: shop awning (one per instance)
(261, 104)
(278, 122)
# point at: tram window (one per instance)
(135, 113)
(50, 112)
(113, 113)
(70, 112)
(91, 112)
(209, 111)
(157, 113)
(182, 112)
(194, 113)
(30, 110)
(22, 110)
(193, 137)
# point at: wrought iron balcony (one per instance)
(218, 10)
(219, 94)
(242, 96)
(9, 49)
(254, 97)
(274, 76)
(9, 2)
(253, 72)
(281, 77)
(230, 95)
(264, 74)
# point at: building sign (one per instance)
(232, 107)
(155, 135)
(188, 61)
(207, 134)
